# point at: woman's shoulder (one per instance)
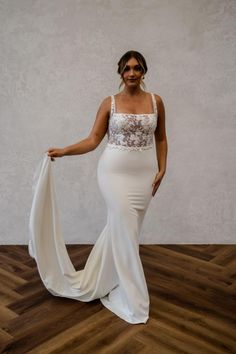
(158, 97)
(105, 104)
(106, 101)
(159, 100)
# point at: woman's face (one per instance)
(132, 73)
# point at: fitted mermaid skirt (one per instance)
(113, 271)
(125, 180)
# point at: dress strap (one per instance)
(154, 102)
(113, 105)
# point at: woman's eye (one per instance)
(136, 68)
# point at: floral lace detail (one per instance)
(131, 131)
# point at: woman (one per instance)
(128, 176)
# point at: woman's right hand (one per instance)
(55, 152)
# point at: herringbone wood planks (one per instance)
(192, 306)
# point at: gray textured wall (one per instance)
(59, 60)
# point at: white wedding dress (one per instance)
(113, 272)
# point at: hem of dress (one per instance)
(104, 300)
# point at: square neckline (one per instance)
(134, 114)
(154, 105)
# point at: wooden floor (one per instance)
(192, 311)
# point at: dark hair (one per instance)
(127, 56)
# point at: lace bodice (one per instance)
(129, 131)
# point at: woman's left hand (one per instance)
(157, 181)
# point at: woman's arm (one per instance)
(161, 145)
(94, 138)
(160, 137)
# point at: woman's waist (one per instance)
(127, 159)
(126, 147)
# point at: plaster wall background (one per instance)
(59, 61)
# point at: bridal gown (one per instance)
(113, 271)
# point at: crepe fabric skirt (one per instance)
(113, 271)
